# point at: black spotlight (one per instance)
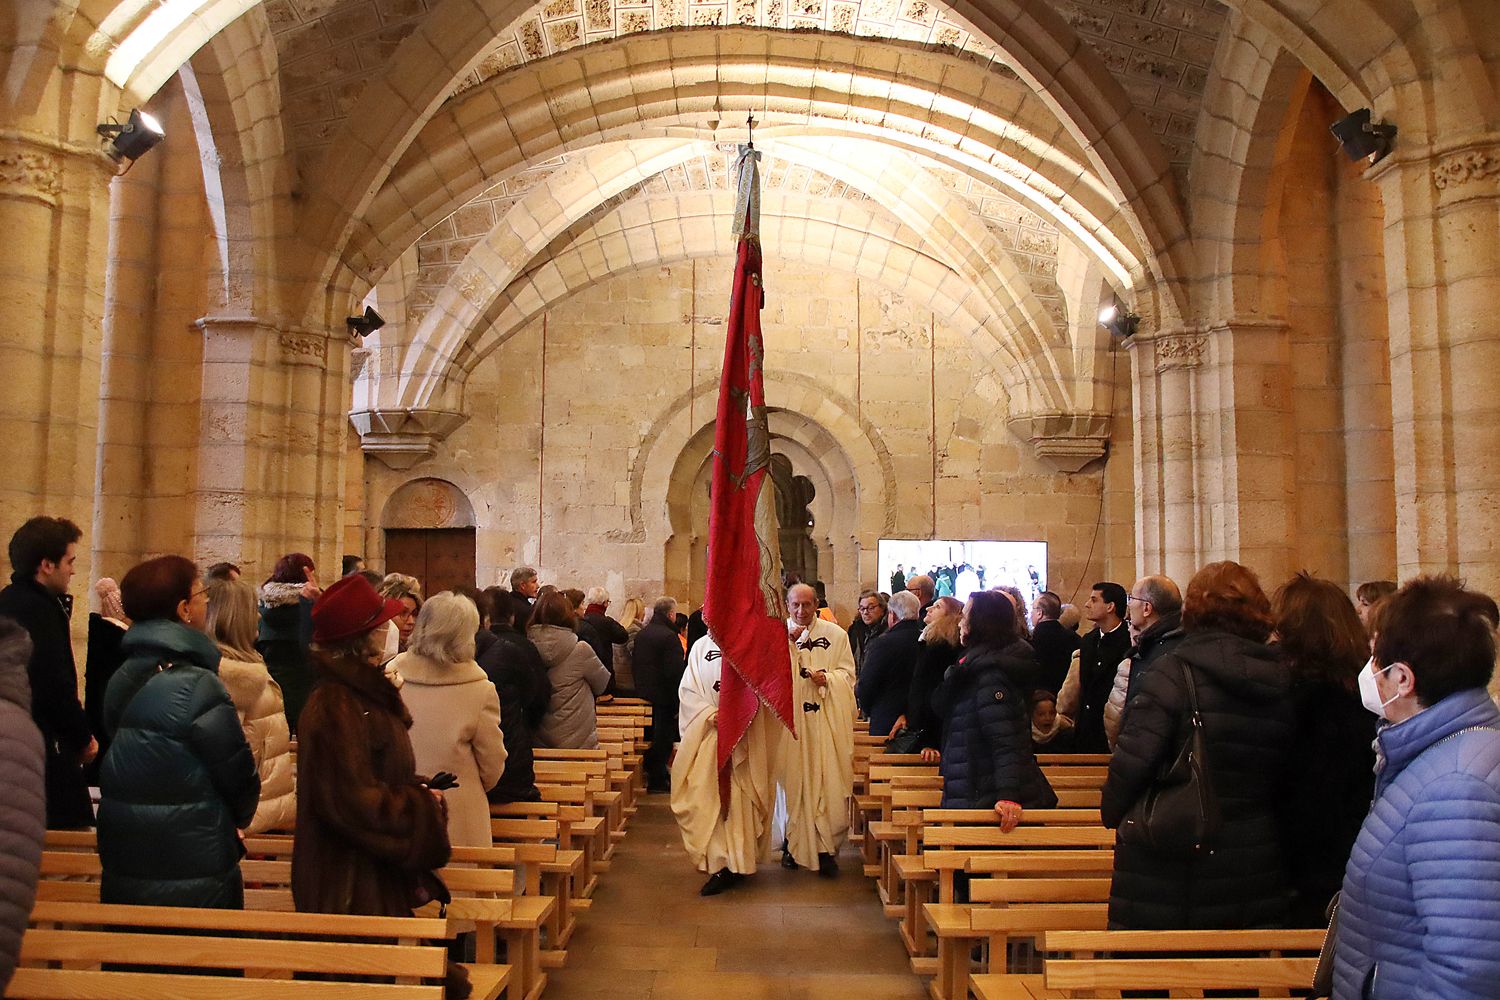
(1118, 321)
(138, 136)
(1362, 138)
(363, 326)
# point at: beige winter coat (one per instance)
(456, 727)
(257, 699)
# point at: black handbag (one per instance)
(904, 740)
(1322, 983)
(1179, 813)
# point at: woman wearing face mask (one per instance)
(1420, 912)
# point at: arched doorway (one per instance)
(428, 527)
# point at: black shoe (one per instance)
(787, 861)
(719, 881)
(828, 866)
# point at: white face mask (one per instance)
(1369, 694)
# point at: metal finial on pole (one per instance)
(750, 126)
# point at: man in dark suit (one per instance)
(890, 660)
(1099, 656)
(1054, 644)
(523, 588)
(42, 556)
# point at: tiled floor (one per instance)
(780, 936)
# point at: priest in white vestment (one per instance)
(820, 766)
(726, 846)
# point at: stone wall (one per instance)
(612, 431)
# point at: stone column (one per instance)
(275, 414)
(1442, 254)
(1168, 539)
(54, 212)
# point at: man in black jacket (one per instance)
(523, 589)
(1099, 655)
(608, 633)
(1053, 643)
(1156, 619)
(519, 674)
(657, 664)
(890, 659)
(869, 622)
(42, 556)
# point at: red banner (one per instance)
(743, 606)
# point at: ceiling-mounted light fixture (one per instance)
(363, 326)
(1120, 322)
(134, 139)
(1361, 138)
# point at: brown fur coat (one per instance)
(366, 827)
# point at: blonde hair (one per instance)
(632, 612)
(233, 620)
(944, 628)
(399, 585)
(445, 629)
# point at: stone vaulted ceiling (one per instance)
(1160, 50)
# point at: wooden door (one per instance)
(442, 558)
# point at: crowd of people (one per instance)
(1343, 750)
(1340, 745)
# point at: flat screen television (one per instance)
(959, 568)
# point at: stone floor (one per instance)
(780, 936)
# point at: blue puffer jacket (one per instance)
(987, 752)
(1420, 917)
(179, 777)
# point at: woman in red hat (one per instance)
(368, 829)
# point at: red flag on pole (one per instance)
(743, 605)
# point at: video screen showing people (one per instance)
(960, 568)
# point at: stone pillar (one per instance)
(271, 465)
(1442, 254)
(1168, 538)
(54, 212)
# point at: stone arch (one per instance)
(474, 297)
(1256, 87)
(1094, 111)
(427, 502)
(659, 232)
(528, 115)
(680, 467)
(232, 95)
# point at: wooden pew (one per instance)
(101, 952)
(1265, 963)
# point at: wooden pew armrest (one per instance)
(486, 981)
(994, 986)
(950, 919)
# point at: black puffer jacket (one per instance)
(285, 635)
(1243, 693)
(520, 677)
(179, 778)
(933, 663)
(987, 755)
(23, 810)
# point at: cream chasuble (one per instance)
(820, 766)
(714, 841)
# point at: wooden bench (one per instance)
(101, 952)
(1261, 963)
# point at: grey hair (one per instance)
(802, 586)
(596, 595)
(664, 608)
(1164, 595)
(445, 629)
(520, 575)
(905, 606)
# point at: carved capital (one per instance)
(303, 347)
(1178, 351)
(32, 174)
(1473, 167)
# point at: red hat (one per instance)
(350, 607)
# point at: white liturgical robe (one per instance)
(820, 767)
(743, 837)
